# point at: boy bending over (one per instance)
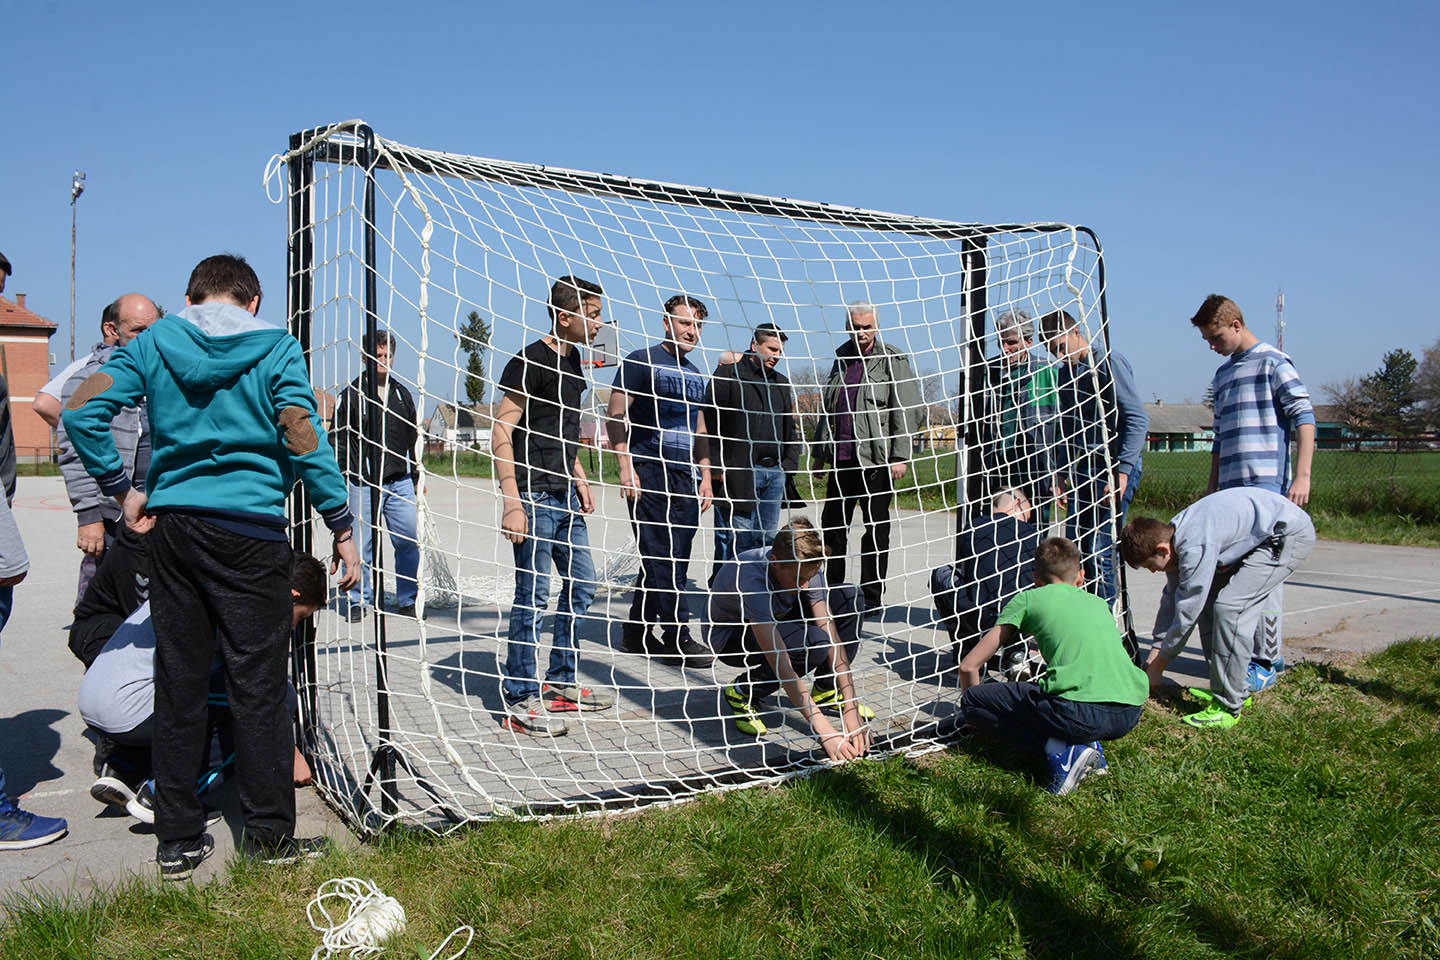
(1222, 556)
(1091, 690)
(771, 612)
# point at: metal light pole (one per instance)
(77, 187)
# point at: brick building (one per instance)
(25, 362)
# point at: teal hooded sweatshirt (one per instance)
(232, 415)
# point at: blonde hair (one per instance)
(798, 542)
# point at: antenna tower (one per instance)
(1279, 319)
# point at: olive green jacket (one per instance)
(887, 409)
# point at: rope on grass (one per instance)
(370, 919)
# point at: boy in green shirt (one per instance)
(1091, 690)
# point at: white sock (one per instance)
(1052, 745)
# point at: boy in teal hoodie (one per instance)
(233, 419)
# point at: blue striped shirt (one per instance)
(1259, 401)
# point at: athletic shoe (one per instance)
(179, 858)
(530, 716)
(356, 614)
(1101, 768)
(111, 789)
(142, 805)
(21, 831)
(407, 611)
(830, 701)
(1259, 677)
(287, 851)
(1205, 696)
(1212, 717)
(1069, 766)
(747, 720)
(565, 697)
(694, 654)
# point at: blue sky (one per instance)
(1229, 149)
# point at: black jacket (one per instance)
(750, 415)
(400, 431)
(997, 562)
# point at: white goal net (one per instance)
(1002, 439)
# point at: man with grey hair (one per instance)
(96, 515)
(1021, 412)
(870, 412)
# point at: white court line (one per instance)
(41, 795)
(1351, 603)
(1364, 576)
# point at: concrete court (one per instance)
(1348, 599)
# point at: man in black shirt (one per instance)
(759, 443)
(536, 444)
(391, 469)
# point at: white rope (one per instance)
(370, 919)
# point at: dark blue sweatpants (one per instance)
(1024, 716)
(665, 517)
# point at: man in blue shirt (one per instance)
(657, 430)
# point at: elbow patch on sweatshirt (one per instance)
(299, 431)
(94, 385)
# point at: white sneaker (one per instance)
(530, 716)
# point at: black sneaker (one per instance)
(111, 789)
(356, 614)
(179, 858)
(407, 611)
(694, 654)
(287, 851)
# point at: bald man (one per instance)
(96, 514)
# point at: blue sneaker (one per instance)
(1070, 766)
(1259, 677)
(21, 831)
(1101, 768)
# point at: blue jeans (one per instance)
(1088, 525)
(557, 534)
(7, 601)
(397, 506)
(736, 531)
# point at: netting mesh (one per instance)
(457, 236)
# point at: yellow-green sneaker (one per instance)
(1212, 717)
(747, 720)
(829, 700)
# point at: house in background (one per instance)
(1179, 426)
(25, 363)
(1331, 433)
(459, 427)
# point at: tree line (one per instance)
(1401, 398)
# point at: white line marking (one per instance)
(1364, 576)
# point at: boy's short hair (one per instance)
(5, 266)
(384, 338)
(1005, 499)
(223, 275)
(1217, 311)
(1055, 323)
(1141, 537)
(685, 300)
(1057, 560)
(1015, 319)
(567, 293)
(309, 581)
(798, 542)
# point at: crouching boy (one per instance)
(771, 613)
(1222, 556)
(1091, 690)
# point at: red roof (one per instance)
(14, 314)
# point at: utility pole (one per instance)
(1279, 319)
(77, 187)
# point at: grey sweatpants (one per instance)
(1237, 600)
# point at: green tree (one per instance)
(474, 339)
(1392, 394)
(1427, 388)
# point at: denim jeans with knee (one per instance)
(557, 537)
(397, 507)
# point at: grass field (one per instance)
(1361, 496)
(1309, 830)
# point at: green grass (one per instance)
(1312, 829)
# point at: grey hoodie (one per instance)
(1212, 532)
(132, 441)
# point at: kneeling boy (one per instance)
(771, 612)
(1091, 690)
(1222, 556)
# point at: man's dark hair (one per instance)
(1055, 323)
(1057, 560)
(685, 300)
(382, 336)
(223, 275)
(309, 581)
(566, 294)
(1141, 537)
(111, 315)
(1217, 310)
(5, 266)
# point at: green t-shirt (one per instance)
(1085, 659)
